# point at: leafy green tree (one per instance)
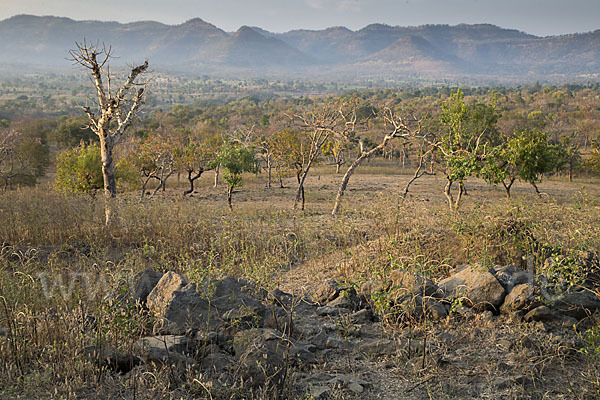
(235, 159)
(526, 156)
(79, 170)
(469, 132)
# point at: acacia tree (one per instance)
(114, 110)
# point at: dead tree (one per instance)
(421, 169)
(319, 125)
(401, 128)
(114, 110)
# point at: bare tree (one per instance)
(114, 110)
(400, 128)
(319, 124)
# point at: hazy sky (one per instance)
(540, 17)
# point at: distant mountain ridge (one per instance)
(376, 50)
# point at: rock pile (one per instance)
(229, 330)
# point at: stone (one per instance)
(106, 357)
(259, 357)
(363, 316)
(217, 362)
(166, 349)
(479, 287)
(143, 283)
(541, 313)
(524, 297)
(378, 347)
(577, 305)
(326, 292)
(406, 283)
(319, 392)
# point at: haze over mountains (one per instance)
(374, 51)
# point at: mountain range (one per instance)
(376, 50)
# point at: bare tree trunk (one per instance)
(507, 187)
(345, 179)
(229, 196)
(448, 193)
(537, 190)
(217, 169)
(191, 180)
(269, 167)
(300, 190)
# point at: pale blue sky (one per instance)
(539, 17)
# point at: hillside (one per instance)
(376, 50)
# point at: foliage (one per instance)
(79, 170)
(23, 159)
(72, 131)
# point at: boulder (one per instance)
(166, 349)
(524, 297)
(143, 283)
(108, 358)
(179, 307)
(578, 305)
(406, 283)
(480, 287)
(259, 354)
(325, 292)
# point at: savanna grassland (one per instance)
(65, 271)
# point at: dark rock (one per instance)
(479, 287)
(167, 349)
(217, 362)
(111, 359)
(578, 304)
(143, 283)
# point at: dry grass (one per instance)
(261, 240)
